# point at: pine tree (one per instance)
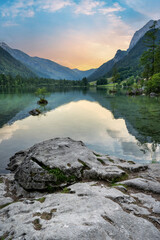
(115, 76)
(148, 57)
(157, 60)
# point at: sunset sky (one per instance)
(76, 33)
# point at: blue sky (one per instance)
(76, 33)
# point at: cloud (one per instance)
(22, 8)
(8, 131)
(53, 5)
(145, 7)
(27, 8)
(87, 7)
(9, 24)
(90, 7)
(88, 46)
(116, 8)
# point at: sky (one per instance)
(79, 34)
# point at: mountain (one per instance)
(83, 74)
(130, 64)
(45, 68)
(140, 33)
(10, 66)
(106, 67)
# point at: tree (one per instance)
(85, 82)
(153, 84)
(157, 60)
(116, 76)
(148, 57)
(102, 81)
(41, 93)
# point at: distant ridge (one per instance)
(11, 66)
(46, 68)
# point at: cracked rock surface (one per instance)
(95, 204)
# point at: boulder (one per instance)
(57, 162)
(108, 208)
(88, 211)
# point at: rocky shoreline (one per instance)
(59, 189)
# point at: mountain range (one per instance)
(14, 61)
(129, 59)
(11, 66)
(45, 68)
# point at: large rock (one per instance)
(90, 212)
(56, 162)
(108, 208)
(143, 184)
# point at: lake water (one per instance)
(117, 125)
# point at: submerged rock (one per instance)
(42, 102)
(35, 112)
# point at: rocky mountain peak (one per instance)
(3, 45)
(119, 55)
(141, 32)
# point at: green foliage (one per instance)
(41, 93)
(157, 60)
(116, 76)
(130, 64)
(84, 82)
(8, 81)
(153, 84)
(12, 67)
(61, 177)
(148, 57)
(41, 200)
(5, 205)
(66, 190)
(119, 179)
(102, 81)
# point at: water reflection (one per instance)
(81, 120)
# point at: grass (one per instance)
(5, 235)
(84, 164)
(5, 205)
(41, 200)
(1, 180)
(111, 160)
(37, 225)
(97, 155)
(120, 178)
(61, 177)
(101, 161)
(66, 190)
(92, 83)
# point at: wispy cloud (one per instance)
(148, 8)
(53, 5)
(88, 7)
(9, 24)
(22, 8)
(115, 8)
(27, 8)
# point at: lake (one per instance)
(117, 125)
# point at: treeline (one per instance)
(8, 81)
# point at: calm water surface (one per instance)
(126, 127)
